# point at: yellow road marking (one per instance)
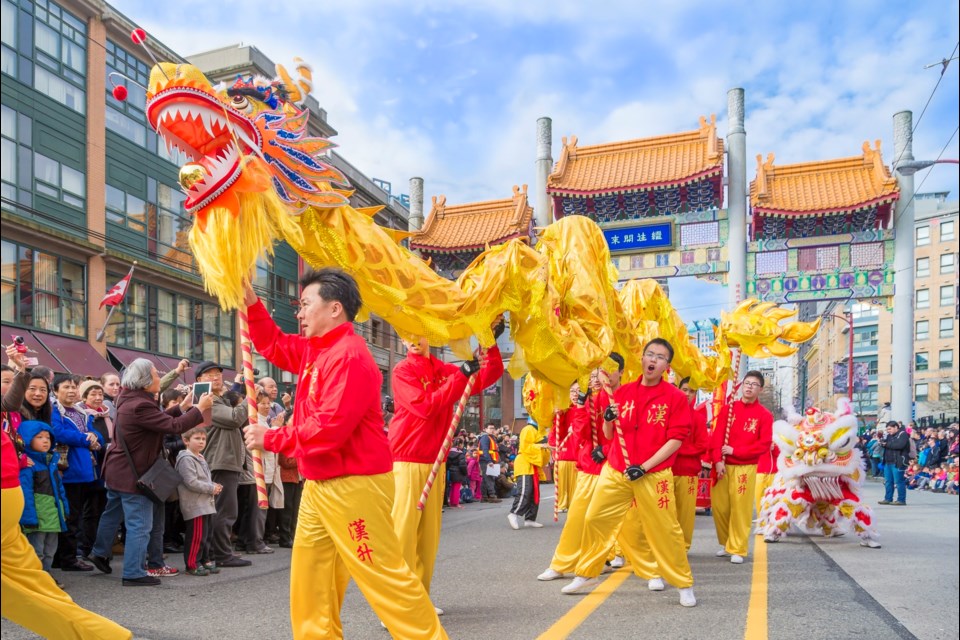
(757, 611)
(575, 617)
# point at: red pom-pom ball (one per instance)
(120, 92)
(138, 35)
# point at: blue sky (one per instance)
(451, 91)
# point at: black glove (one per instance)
(582, 398)
(470, 367)
(542, 440)
(597, 454)
(635, 471)
(499, 329)
(610, 414)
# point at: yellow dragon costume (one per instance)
(256, 178)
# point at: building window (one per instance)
(127, 118)
(946, 327)
(60, 42)
(947, 295)
(947, 230)
(920, 391)
(865, 337)
(921, 362)
(923, 330)
(126, 210)
(923, 236)
(17, 165)
(43, 291)
(172, 228)
(872, 368)
(946, 391)
(128, 328)
(864, 310)
(948, 263)
(58, 181)
(923, 267)
(946, 359)
(923, 298)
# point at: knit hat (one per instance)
(86, 385)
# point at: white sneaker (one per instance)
(438, 610)
(656, 584)
(514, 521)
(770, 539)
(687, 599)
(617, 562)
(867, 542)
(549, 575)
(735, 559)
(533, 524)
(579, 585)
(722, 553)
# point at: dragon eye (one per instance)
(240, 103)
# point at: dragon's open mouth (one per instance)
(212, 134)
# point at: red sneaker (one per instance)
(165, 571)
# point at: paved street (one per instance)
(486, 582)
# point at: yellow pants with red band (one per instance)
(565, 480)
(764, 481)
(418, 531)
(30, 597)
(568, 548)
(657, 516)
(685, 491)
(732, 504)
(344, 531)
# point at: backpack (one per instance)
(466, 495)
(913, 449)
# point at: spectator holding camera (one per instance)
(896, 457)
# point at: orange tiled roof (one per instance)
(638, 165)
(473, 226)
(828, 186)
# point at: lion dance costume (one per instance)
(818, 485)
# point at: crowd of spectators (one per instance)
(931, 461)
(83, 442)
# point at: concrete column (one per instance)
(544, 208)
(736, 202)
(901, 405)
(415, 222)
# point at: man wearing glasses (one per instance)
(648, 418)
(742, 433)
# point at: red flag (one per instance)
(118, 292)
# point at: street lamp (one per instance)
(910, 167)
(848, 318)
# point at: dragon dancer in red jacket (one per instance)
(425, 391)
(344, 528)
(742, 433)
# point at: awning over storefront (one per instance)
(125, 356)
(35, 348)
(76, 354)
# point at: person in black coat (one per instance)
(896, 453)
(457, 468)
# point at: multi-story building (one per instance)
(87, 191)
(935, 369)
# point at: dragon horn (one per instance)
(780, 313)
(762, 308)
(800, 331)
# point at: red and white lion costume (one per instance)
(817, 486)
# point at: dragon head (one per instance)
(251, 166)
(223, 130)
(818, 447)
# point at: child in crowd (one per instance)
(921, 479)
(474, 474)
(45, 501)
(939, 480)
(457, 468)
(196, 492)
(953, 480)
(909, 475)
